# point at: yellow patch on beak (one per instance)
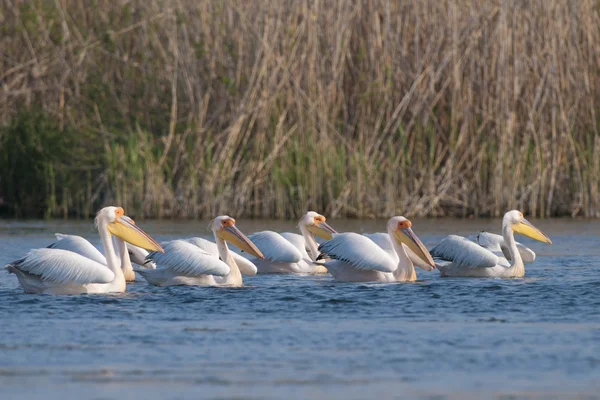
(405, 235)
(526, 228)
(232, 234)
(321, 229)
(125, 229)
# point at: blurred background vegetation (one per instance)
(360, 108)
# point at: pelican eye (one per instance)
(319, 219)
(119, 212)
(404, 224)
(228, 222)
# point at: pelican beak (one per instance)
(125, 228)
(407, 237)
(322, 230)
(233, 235)
(526, 228)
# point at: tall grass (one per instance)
(191, 108)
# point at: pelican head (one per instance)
(518, 224)
(123, 227)
(316, 225)
(400, 231)
(224, 228)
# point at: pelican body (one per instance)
(127, 252)
(460, 257)
(189, 262)
(59, 271)
(291, 253)
(496, 244)
(356, 258)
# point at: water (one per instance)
(307, 336)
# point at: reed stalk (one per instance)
(368, 108)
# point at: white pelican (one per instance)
(292, 253)
(246, 266)
(186, 262)
(58, 271)
(126, 251)
(458, 256)
(357, 258)
(496, 244)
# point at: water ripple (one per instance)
(308, 336)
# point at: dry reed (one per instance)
(364, 108)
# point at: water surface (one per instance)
(308, 336)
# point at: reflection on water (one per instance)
(309, 337)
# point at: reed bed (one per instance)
(355, 108)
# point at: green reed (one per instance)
(185, 108)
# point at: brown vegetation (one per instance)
(193, 108)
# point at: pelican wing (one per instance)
(358, 251)
(78, 245)
(298, 242)
(206, 245)
(383, 240)
(527, 255)
(187, 259)
(63, 266)
(495, 242)
(488, 240)
(464, 253)
(275, 248)
(246, 266)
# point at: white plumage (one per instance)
(495, 243)
(292, 253)
(199, 262)
(464, 253)
(460, 257)
(78, 245)
(275, 248)
(188, 259)
(376, 257)
(63, 266)
(56, 270)
(297, 241)
(246, 266)
(138, 256)
(383, 240)
(81, 246)
(358, 251)
(285, 253)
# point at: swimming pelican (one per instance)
(496, 244)
(79, 245)
(357, 258)
(58, 271)
(185, 263)
(289, 253)
(460, 257)
(246, 266)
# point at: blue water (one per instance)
(307, 336)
